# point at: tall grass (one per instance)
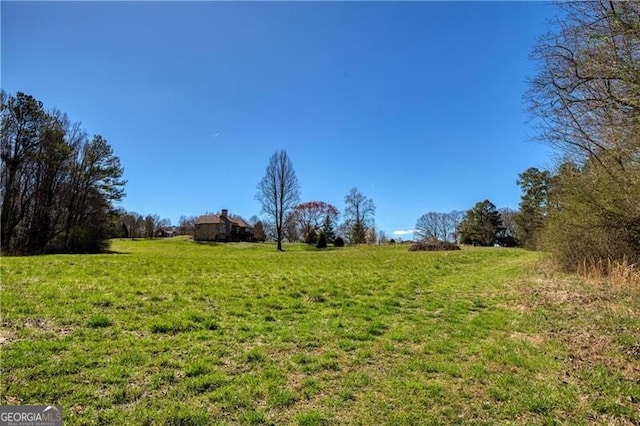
(617, 274)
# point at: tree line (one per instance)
(58, 184)
(482, 225)
(586, 101)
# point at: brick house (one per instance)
(223, 228)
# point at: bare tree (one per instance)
(428, 226)
(187, 225)
(358, 212)
(438, 226)
(586, 101)
(279, 191)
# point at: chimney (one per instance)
(224, 212)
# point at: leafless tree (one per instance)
(187, 225)
(587, 93)
(508, 222)
(586, 100)
(279, 191)
(438, 226)
(358, 213)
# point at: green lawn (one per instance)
(174, 332)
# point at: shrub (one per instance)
(433, 245)
(311, 237)
(339, 242)
(322, 241)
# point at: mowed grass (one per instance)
(174, 332)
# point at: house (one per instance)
(166, 232)
(222, 227)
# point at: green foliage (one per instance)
(590, 219)
(328, 229)
(481, 225)
(534, 204)
(322, 241)
(338, 242)
(358, 233)
(311, 236)
(58, 185)
(586, 99)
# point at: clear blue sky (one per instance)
(417, 104)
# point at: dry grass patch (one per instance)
(598, 325)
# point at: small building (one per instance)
(166, 232)
(222, 228)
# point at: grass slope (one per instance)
(173, 332)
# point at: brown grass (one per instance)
(617, 274)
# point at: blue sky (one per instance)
(417, 104)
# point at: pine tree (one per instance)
(327, 229)
(322, 241)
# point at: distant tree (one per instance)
(269, 230)
(278, 191)
(290, 230)
(359, 213)
(139, 227)
(508, 236)
(311, 216)
(311, 236)
(358, 233)
(382, 237)
(328, 228)
(322, 241)
(438, 226)
(534, 206)
(150, 225)
(371, 235)
(481, 225)
(338, 242)
(259, 232)
(128, 220)
(187, 225)
(161, 226)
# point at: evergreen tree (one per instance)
(534, 205)
(481, 225)
(322, 241)
(327, 229)
(58, 186)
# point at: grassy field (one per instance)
(174, 332)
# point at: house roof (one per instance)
(216, 218)
(241, 222)
(211, 218)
